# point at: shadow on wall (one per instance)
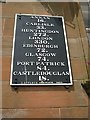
(43, 88)
(86, 87)
(67, 9)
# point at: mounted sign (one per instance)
(40, 51)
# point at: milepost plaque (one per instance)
(40, 54)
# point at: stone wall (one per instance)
(46, 102)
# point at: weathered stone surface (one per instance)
(43, 97)
(31, 113)
(43, 102)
